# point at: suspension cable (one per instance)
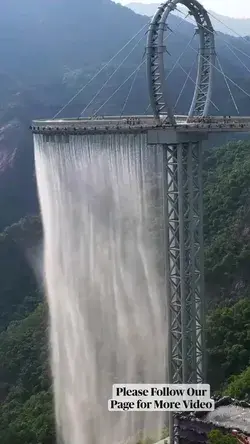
(139, 66)
(228, 27)
(117, 89)
(237, 57)
(112, 75)
(221, 71)
(100, 70)
(228, 86)
(228, 78)
(219, 36)
(192, 80)
(130, 90)
(137, 69)
(188, 76)
(234, 47)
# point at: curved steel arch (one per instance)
(159, 97)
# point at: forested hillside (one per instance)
(45, 58)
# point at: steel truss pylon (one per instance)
(183, 214)
(159, 96)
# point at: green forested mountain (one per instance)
(19, 292)
(46, 58)
(26, 409)
(227, 217)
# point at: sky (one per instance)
(230, 8)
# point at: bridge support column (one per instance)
(184, 269)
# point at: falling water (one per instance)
(98, 197)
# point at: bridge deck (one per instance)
(135, 124)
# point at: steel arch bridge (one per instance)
(159, 97)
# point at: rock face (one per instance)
(17, 182)
(9, 135)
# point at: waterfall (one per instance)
(101, 200)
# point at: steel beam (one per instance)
(184, 274)
(159, 96)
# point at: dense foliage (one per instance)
(217, 437)
(20, 259)
(26, 411)
(227, 258)
(228, 342)
(239, 386)
(227, 217)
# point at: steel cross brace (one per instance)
(184, 265)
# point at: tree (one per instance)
(28, 423)
(228, 342)
(26, 412)
(19, 293)
(227, 218)
(239, 386)
(217, 437)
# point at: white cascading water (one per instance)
(101, 263)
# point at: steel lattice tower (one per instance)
(184, 262)
(184, 268)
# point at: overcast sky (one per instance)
(231, 8)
